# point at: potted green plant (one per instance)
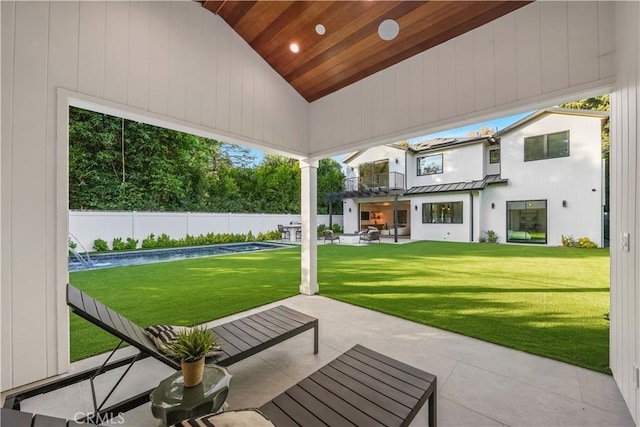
(191, 346)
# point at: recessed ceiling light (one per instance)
(320, 29)
(293, 47)
(388, 29)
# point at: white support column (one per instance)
(309, 210)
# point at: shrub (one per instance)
(131, 243)
(489, 236)
(568, 241)
(164, 241)
(100, 245)
(336, 228)
(72, 244)
(149, 242)
(582, 242)
(269, 235)
(250, 237)
(586, 243)
(118, 244)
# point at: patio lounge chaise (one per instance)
(237, 339)
(361, 387)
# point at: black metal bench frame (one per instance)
(238, 340)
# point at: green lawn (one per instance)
(547, 301)
(185, 292)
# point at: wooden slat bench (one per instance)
(362, 388)
(238, 340)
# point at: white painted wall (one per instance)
(625, 205)
(572, 178)
(351, 219)
(459, 164)
(87, 226)
(172, 61)
(527, 59)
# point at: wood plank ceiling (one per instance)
(350, 49)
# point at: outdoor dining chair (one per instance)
(284, 234)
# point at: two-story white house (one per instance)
(533, 182)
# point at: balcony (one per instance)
(371, 185)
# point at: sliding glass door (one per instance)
(527, 221)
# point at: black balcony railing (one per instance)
(378, 182)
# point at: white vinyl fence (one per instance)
(85, 227)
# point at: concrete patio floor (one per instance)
(479, 384)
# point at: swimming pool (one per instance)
(119, 259)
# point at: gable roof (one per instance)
(554, 110)
(355, 154)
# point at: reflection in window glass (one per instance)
(533, 148)
(430, 165)
(374, 174)
(548, 146)
(494, 156)
(442, 213)
(558, 144)
(527, 221)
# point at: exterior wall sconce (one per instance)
(493, 205)
(416, 207)
(564, 203)
(397, 161)
(349, 209)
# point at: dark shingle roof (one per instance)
(458, 186)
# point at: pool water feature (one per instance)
(120, 259)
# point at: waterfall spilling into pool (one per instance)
(73, 244)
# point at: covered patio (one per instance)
(479, 383)
(206, 71)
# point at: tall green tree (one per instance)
(597, 103)
(278, 184)
(118, 164)
(330, 177)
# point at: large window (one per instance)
(442, 213)
(430, 165)
(548, 146)
(527, 221)
(374, 174)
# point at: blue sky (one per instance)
(465, 130)
(460, 132)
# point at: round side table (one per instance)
(172, 402)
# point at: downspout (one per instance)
(471, 212)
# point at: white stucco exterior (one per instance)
(571, 187)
